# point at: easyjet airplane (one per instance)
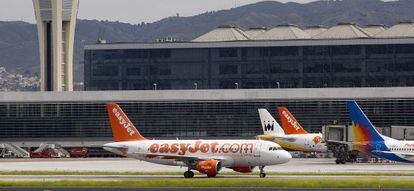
(206, 156)
(292, 136)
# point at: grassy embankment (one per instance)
(218, 183)
(223, 173)
(372, 180)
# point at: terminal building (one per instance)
(80, 118)
(286, 57)
(211, 87)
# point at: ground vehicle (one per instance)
(49, 150)
(47, 153)
(78, 152)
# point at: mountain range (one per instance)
(19, 49)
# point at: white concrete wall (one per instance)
(212, 95)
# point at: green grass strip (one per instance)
(222, 173)
(218, 183)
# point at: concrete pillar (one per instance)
(56, 21)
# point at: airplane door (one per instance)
(139, 148)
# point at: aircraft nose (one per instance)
(285, 157)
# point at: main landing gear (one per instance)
(262, 173)
(188, 174)
(211, 175)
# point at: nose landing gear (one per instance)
(262, 172)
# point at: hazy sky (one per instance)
(132, 11)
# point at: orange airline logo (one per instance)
(123, 122)
(199, 146)
(291, 121)
(317, 139)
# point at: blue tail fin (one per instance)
(362, 127)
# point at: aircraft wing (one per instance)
(285, 139)
(271, 137)
(182, 158)
(121, 147)
(348, 143)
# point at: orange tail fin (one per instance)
(289, 123)
(122, 127)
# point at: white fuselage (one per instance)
(312, 142)
(232, 153)
(401, 151)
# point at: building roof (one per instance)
(256, 31)
(403, 29)
(343, 31)
(283, 35)
(315, 30)
(207, 95)
(223, 33)
(250, 43)
(374, 29)
(283, 32)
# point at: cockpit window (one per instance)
(275, 148)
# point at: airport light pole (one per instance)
(155, 86)
(237, 85)
(278, 85)
(195, 86)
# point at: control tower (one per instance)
(56, 21)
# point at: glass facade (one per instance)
(388, 65)
(186, 119)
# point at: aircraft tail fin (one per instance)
(361, 125)
(269, 124)
(289, 123)
(122, 127)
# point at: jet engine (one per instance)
(246, 169)
(209, 167)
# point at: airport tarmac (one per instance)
(132, 165)
(189, 189)
(140, 177)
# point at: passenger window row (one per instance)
(402, 149)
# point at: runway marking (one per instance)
(222, 183)
(141, 177)
(122, 165)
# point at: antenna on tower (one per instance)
(101, 34)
